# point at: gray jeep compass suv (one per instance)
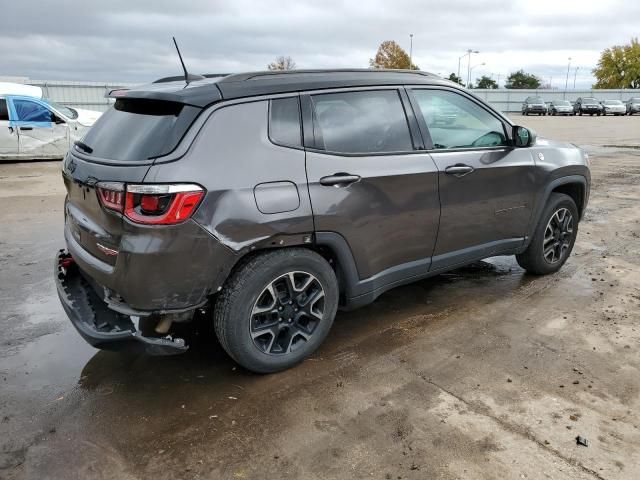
(266, 201)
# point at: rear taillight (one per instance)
(111, 195)
(151, 204)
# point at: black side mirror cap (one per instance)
(523, 137)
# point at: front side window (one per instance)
(284, 122)
(371, 121)
(455, 121)
(28, 111)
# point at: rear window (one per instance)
(139, 129)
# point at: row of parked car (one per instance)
(583, 105)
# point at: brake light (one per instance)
(151, 204)
(111, 195)
(161, 204)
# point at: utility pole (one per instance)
(575, 74)
(566, 83)
(411, 51)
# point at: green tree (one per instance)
(282, 63)
(486, 82)
(619, 67)
(520, 79)
(454, 78)
(391, 55)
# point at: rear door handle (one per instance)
(459, 170)
(339, 179)
(26, 128)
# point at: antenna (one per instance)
(186, 74)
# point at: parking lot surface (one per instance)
(484, 372)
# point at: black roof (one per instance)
(211, 89)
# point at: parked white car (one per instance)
(34, 128)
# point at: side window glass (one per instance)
(4, 113)
(454, 121)
(371, 121)
(284, 122)
(28, 111)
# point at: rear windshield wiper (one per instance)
(83, 146)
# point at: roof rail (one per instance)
(267, 73)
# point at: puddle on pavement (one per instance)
(62, 362)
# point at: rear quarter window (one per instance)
(284, 122)
(139, 129)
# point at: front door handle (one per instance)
(339, 179)
(459, 170)
(26, 128)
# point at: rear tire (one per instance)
(553, 238)
(276, 309)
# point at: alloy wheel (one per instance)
(287, 313)
(558, 235)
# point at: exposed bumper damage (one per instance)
(99, 325)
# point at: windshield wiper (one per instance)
(83, 146)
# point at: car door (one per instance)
(486, 185)
(38, 134)
(368, 183)
(8, 134)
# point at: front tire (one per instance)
(553, 238)
(276, 309)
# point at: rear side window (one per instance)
(28, 111)
(139, 129)
(4, 113)
(371, 121)
(284, 122)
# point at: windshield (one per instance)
(589, 100)
(562, 103)
(635, 100)
(535, 100)
(612, 102)
(66, 111)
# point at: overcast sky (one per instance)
(130, 41)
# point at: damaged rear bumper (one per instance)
(100, 326)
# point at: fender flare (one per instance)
(537, 213)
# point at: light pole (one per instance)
(469, 52)
(410, 51)
(471, 70)
(575, 74)
(566, 83)
(469, 65)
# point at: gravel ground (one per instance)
(484, 372)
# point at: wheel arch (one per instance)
(575, 190)
(576, 186)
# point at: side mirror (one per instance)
(57, 120)
(523, 137)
